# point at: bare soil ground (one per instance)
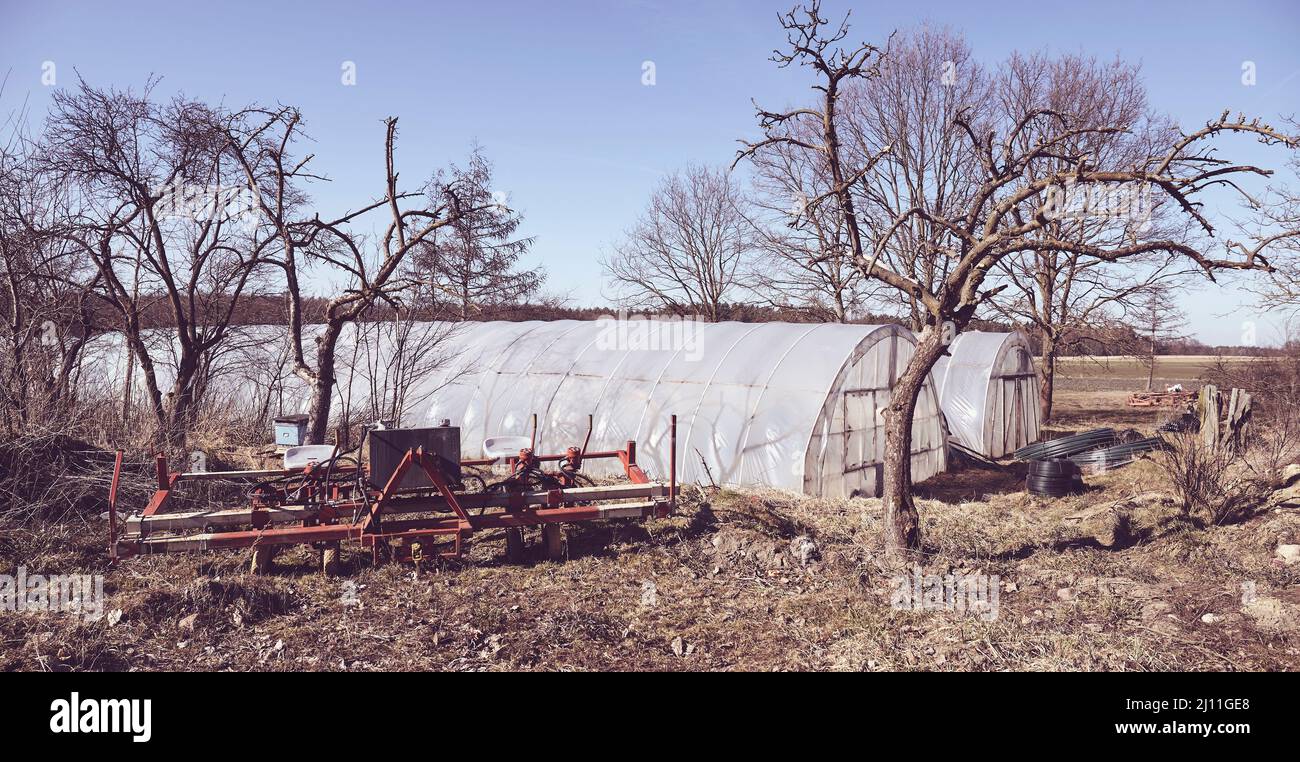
(1128, 374)
(1111, 579)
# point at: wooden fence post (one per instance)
(1208, 407)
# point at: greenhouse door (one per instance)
(1013, 416)
(864, 441)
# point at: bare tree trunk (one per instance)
(322, 388)
(902, 528)
(130, 349)
(181, 404)
(126, 384)
(1151, 366)
(153, 393)
(321, 398)
(1046, 378)
(19, 385)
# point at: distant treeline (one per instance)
(272, 309)
(1124, 343)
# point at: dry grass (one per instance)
(1114, 579)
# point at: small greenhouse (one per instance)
(794, 406)
(989, 392)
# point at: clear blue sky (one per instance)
(553, 90)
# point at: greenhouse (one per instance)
(794, 406)
(989, 392)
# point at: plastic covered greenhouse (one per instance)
(793, 406)
(989, 392)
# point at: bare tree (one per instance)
(802, 255)
(263, 142)
(1155, 318)
(837, 66)
(1068, 296)
(158, 199)
(687, 253)
(905, 113)
(1276, 224)
(45, 290)
(986, 229)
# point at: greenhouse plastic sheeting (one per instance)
(751, 398)
(989, 392)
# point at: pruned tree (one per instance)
(986, 229)
(371, 269)
(687, 253)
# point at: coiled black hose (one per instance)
(1066, 446)
(1053, 478)
(1117, 455)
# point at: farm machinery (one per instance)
(413, 498)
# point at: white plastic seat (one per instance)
(297, 457)
(504, 446)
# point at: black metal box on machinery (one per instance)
(385, 449)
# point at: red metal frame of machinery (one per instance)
(322, 511)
